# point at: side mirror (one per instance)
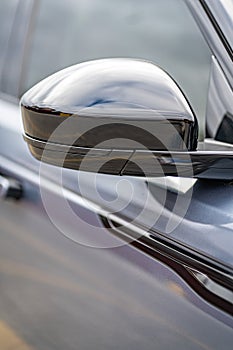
(115, 116)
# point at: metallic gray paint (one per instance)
(130, 300)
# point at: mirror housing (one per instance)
(93, 105)
(114, 116)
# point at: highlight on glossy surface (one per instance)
(103, 98)
(119, 117)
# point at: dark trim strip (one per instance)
(160, 251)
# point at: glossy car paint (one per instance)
(57, 294)
(137, 96)
(67, 295)
(123, 117)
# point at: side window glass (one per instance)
(7, 14)
(162, 31)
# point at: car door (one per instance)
(70, 276)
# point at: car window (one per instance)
(7, 14)
(162, 31)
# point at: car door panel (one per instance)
(71, 278)
(57, 293)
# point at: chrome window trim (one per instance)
(214, 40)
(221, 17)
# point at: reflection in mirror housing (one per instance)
(114, 116)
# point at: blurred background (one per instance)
(63, 33)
